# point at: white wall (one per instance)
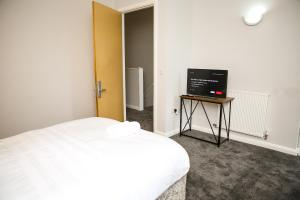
(263, 58)
(139, 47)
(173, 55)
(46, 63)
(193, 33)
(211, 33)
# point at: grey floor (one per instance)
(235, 171)
(145, 117)
(239, 171)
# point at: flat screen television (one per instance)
(207, 82)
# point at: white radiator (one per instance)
(249, 112)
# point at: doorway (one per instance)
(139, 66)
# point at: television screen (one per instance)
(207, 82)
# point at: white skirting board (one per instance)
(242, 138)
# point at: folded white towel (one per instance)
(123, 129)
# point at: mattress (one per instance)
(80, 160)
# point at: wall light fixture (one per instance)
(254, 15)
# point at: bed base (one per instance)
(176, 191)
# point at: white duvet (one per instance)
(84, 160)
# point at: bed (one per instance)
(93, 158)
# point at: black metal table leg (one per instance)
(220, 125)
(191, 109)
(187, 126)
(180, 131)
(228, 131)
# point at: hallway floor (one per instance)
(145, 117)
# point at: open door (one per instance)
(108, 61)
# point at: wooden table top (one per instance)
(208, 99)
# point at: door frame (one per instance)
(131, 8)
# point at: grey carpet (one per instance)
(239, 171)
(145, 117)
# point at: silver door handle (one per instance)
(100, 89)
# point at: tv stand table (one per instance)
(218, 101)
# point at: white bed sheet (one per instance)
(79, 160)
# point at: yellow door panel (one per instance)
(107, 24)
